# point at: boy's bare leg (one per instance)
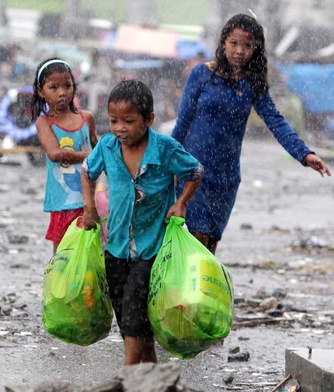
(133, 350)
(149, 354)
(137, 350)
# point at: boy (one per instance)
(140, 166)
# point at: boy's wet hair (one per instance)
(57, 65)
(135, 92)
(257, 66)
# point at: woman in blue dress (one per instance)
(213, 113)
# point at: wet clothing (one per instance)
(63, 184)
(59, 223)
(211, 125)
(128, 289)
(138, 206)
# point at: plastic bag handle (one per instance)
(97, 223)
(175, 220)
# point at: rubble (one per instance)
(148, 377)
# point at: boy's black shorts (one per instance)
(128, 286)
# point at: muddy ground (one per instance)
(279, 241)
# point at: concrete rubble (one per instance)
(148, 377)
(313, 368)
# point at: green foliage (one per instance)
(50, 6)
(182, 12)
(170, 12)
(106, 9)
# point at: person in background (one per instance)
(140, 166)
(67, 136)
(211, 124)
(191, 63)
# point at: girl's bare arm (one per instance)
(51, 146)
(92, 128)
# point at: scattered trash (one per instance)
(234, 350)
(287, 385)
(279, 293)
(269, 303)
(246, 226)
(239, 357)
(313, 242)
(276, 312)
(228, 378)
(17, 239)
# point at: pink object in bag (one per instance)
(102, 203)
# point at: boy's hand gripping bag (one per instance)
(190, 304)
(76, 306)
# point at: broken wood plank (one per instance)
(278, 386)
(20, 150)
(254, 323)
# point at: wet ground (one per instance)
(279, 243)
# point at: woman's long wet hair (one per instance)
(256, 68)
(39, 104)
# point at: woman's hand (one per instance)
(177, 209)
(317, 164)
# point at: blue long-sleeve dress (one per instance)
(211, 125)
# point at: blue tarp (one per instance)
(188, 49)
(313, 83)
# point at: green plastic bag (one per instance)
(190, 303)
(76, 306)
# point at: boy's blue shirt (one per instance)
(164, 157)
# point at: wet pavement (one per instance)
(279, 247)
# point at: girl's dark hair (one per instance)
(136, 92)
(39, 104)
(257, 66)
